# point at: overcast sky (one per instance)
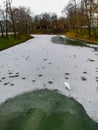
(39, 6)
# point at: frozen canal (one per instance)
(40, 63)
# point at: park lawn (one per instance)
(83, 35)
(11, 41)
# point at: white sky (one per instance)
(40, 6)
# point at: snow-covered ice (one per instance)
(39, 63)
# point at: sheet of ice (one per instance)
(39, 63)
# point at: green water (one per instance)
(44, 110)
(73, 42)
(68, 41)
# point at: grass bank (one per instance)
(83, 36)
(11, 41)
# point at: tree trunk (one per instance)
(2, 31)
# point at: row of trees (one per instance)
(48, 23)
(19, 20)
(82, 14)
(15, 19)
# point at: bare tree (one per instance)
(11, 16)
(22, 19)
(80, 15)
(46, 20)
(71, 12)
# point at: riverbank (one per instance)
(84, 37)
(11, 41)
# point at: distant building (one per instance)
(94, 20)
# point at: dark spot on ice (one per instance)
(17, 73)
(0, 80)
(40, 75)
(10, 72)
(96, 54)
(3, 77)
(50, 82)
(75, 66)
(66, 78)
(37, 68)
(11, 76)
(43, 67)
(33, 81)
(45, 59)
(27, 58)
(49, 63)
(95, 48)
(6, 83)
(12, 84)
(89, 101)
(16, 58)
(91, 60)
(96, 80)
(24, 78)
(74, 55)
(14, 76)
(85, 72)
(83, 78)
(67, 73)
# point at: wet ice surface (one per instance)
(39, 63)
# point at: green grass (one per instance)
(83, 35)
(11, 41)
(44, 110)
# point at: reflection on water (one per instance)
(44, 110)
